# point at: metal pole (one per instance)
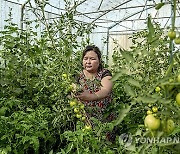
(107, 52)
(173, 17)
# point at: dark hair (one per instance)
(97, 51)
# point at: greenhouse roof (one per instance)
(124, 15)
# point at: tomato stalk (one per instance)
(174, 14)
(171, 45)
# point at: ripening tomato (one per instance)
(151, 122)
(172, 34)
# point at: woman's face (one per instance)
(91, 62)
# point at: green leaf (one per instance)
(134, 82)
(159, 5)
(35, 142)
(25, 139)
(69, 147)
(151, 29)
(63, 152)
(146, 99)
(131, 148)
(68, 53)
(51, 152)
(129, 90)
(122, 115)
(127, 56)
(116, 76)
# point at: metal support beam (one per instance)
(129, 17)
(109, 28)
(110, 10)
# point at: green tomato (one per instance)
(82, 106)
(170, 126)
(76, 110)
(177, 40)
(178, 98)
(172, 34)
(78, 115)
(167, 126)
(178, 78)
(149, 112)
(171, 80)
(88, 127)
(154, 109)
(70, 88)
(151, 122)
(64, 75)
(72, 103)
(83, 118)
(157, 89)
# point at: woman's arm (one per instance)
(106, 87)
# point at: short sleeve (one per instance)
(106, 73)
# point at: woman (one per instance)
(96, 84)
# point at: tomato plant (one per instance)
(150, 85)
(35, 77)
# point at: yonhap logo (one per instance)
(125, 139)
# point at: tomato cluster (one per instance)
(80, 113)
(153, 123)
(162, 123)
(172, 36)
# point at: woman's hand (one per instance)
(86, 96)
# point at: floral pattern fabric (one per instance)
(95, 108)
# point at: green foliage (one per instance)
(25, 129)
(137, 72)
(37, 69)
(34, 106)
(87, 141)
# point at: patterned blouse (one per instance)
(95, 108)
